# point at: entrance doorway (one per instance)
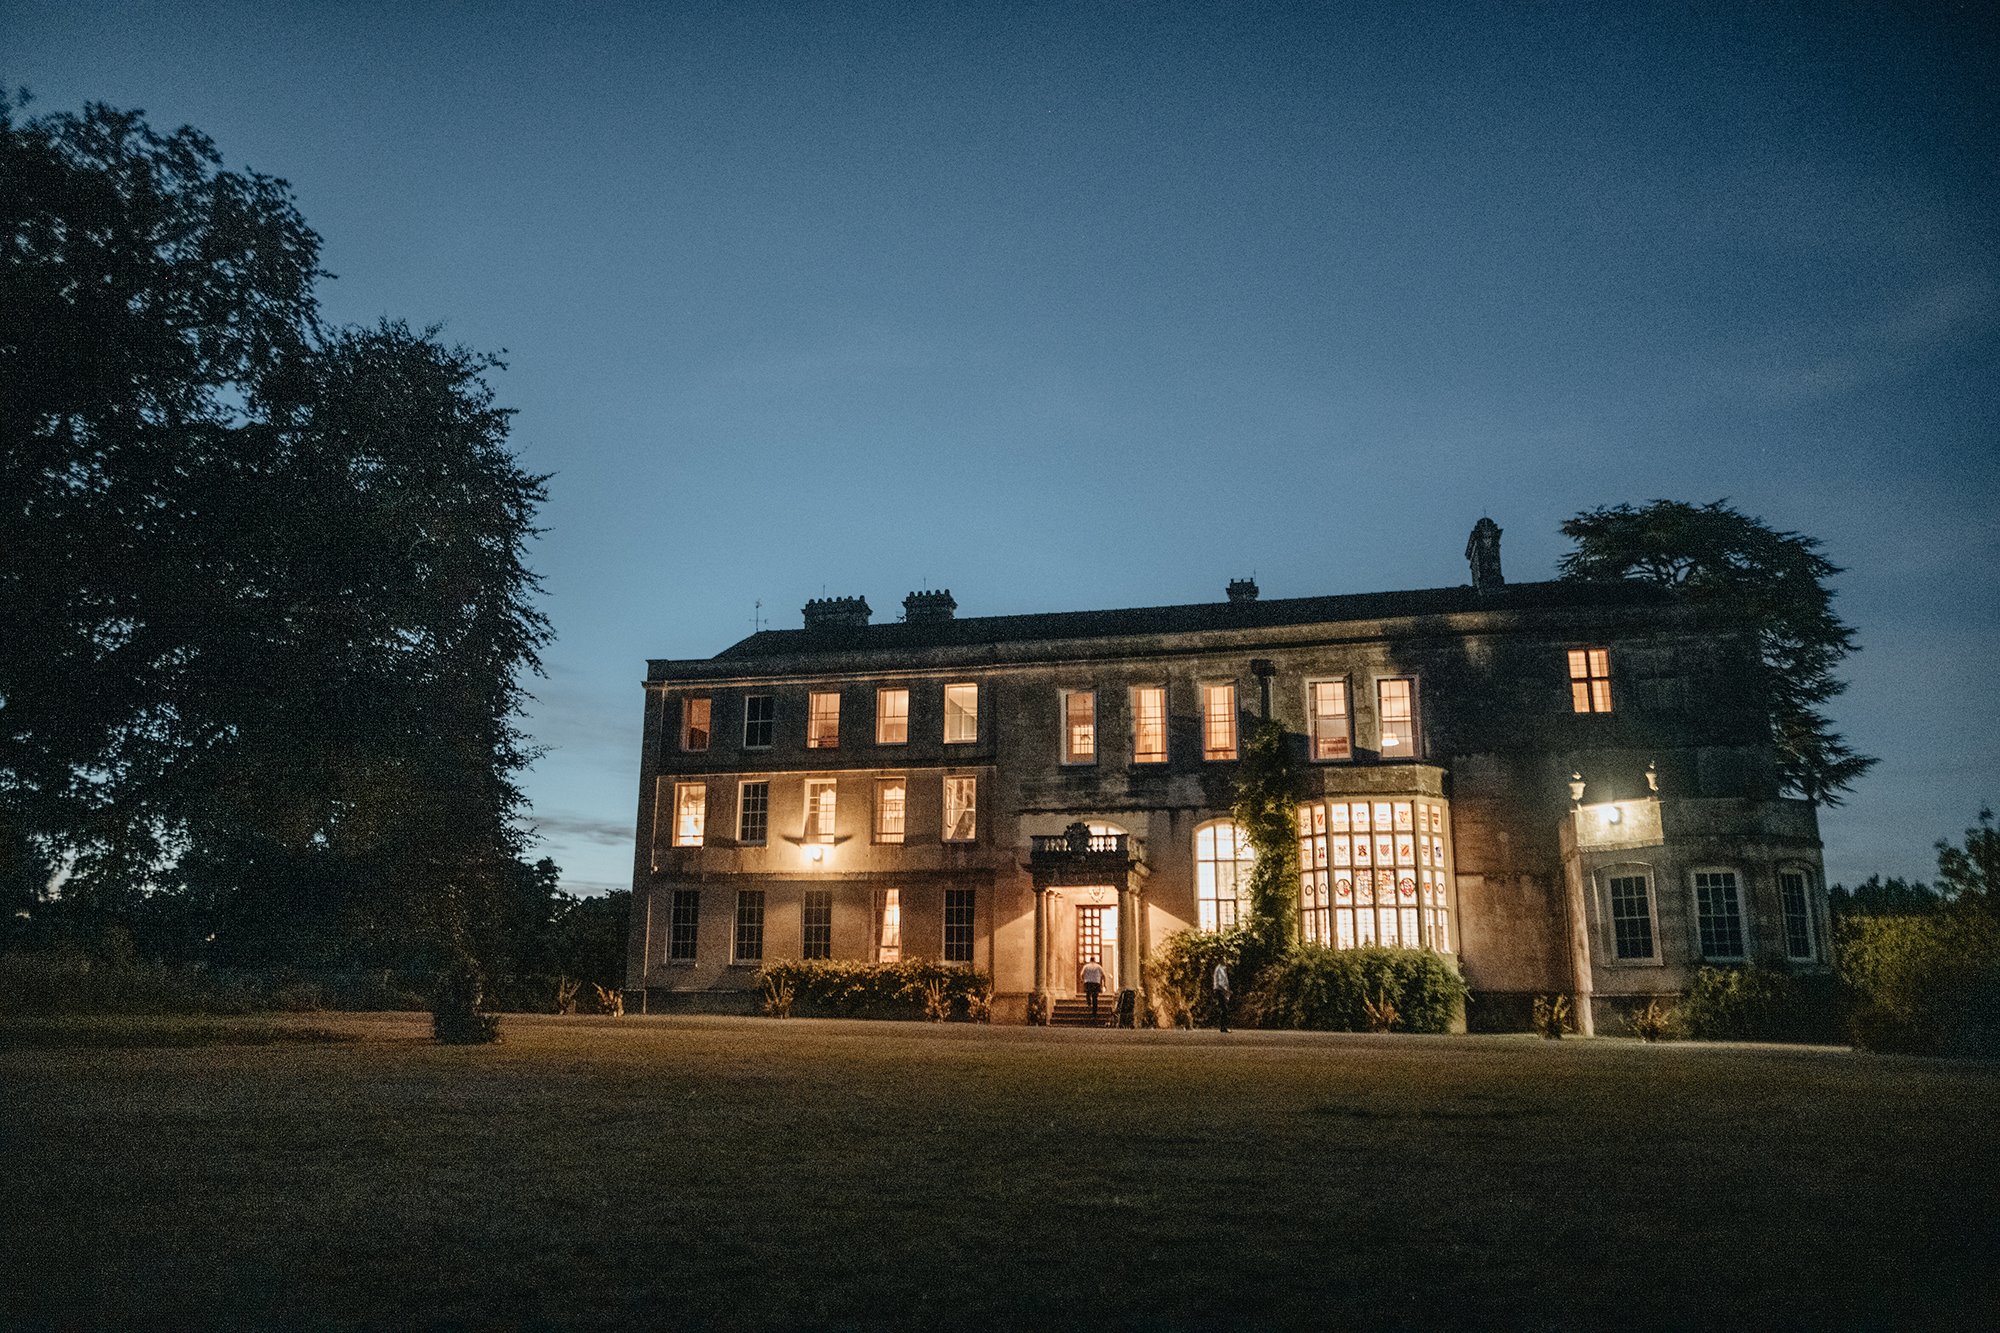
(1097, 942)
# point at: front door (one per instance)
(1097, 942)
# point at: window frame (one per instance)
(888, 898)
(743, 837)
(1700, 917)
(815, 740)
(1607, 878)
(882, 694)
(812, 833)
(769, 722)
(1242, 859)
(1806, 915)
(962, 917)
(1212, 754)
(1589, 692)
(951, 686)
(683, 929)
(1070, 757)
(750, 908)
(688, 703)
(882, 834)
(971, 781)
(1346, 716)
(1139, 726)
(684, 835)
(1382, 719)
(816, 924)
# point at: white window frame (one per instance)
(741, 804)
(888, 925)
(953, 712)
(1208, 874)
(819, 827)
(1382, 745)
(885, 716)
(1695, 887)
(771, 721)
(1071, 753)
(900, 808)
(1345, 716)
(817, 715)
(1212, 719)
(968, 808)
(1643, 873)
(1139, 726)
(1811, 918)
(690, 816)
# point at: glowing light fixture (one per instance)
(815, 854)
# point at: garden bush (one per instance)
(1926, 984)
(1178, 975)
(1751, 1003)
(913, 988)
(1333, 989)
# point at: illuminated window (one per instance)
(1794, 896)
(1079, 726)
(1374, 872)
(683, 921)
(1398, 700)
(961, 809)
(816, 924)
(958, 904)
(889, 926)
(759, 713)
(694, 724)
(1718, 910)
(1631, 901)
(749, 925)
(819, 809)
(961, 714)
(1590, 680)
(889, 794)
(1222, 861)
(690, 813)
(1218, 722)
(753, 812)
(1149, 725)
(822, 720)
(1330, 722)
(892, 717)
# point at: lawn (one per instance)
(714, 1172)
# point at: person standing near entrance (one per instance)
(1220, 984)
(1093, 983)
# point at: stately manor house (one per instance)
(1568, 787)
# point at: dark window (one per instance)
(1798, 915)
(753, 812)
(1631, 916)
(818, 924)
(694, 724)
(749, 925)
(958, 925)
(1719, 913)
(758, 712)
(685, 916)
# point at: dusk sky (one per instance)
(1073, 306)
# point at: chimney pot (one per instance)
(837, 613)
(1242, 590)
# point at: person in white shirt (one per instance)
(1093, 983)
(1219, 983)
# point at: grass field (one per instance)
(711, 1172)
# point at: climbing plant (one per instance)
(1267, 810)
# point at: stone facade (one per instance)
(1568, 787)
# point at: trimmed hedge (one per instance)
(1928, 984)
(830, 988)
(1329, 989)
(1761, 1002)
(1311, 986)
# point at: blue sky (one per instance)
(1083, 305)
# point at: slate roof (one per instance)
(970, 631)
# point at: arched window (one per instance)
(1222, 861)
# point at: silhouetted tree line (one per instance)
(265, 616)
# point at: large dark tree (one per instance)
(1773, 581)
(264, 612)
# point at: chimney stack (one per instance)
(1482, 550)
(836, 613)
(923, 608)
(1242, 590)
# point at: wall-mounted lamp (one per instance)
(1652, 778)
(1615, 815)
(815, 854)
(1576, 787)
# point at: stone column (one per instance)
(1129, 951)
(1041, 940)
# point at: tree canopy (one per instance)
(265, 612)
(1772, 581)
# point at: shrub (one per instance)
(566, 989)
(836, 989)
(1928, 984)
(1553, 1016)
(1751, 1003)
(1334, 990)
(1181, 970)
(1653, 1021)
(456, 1018)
